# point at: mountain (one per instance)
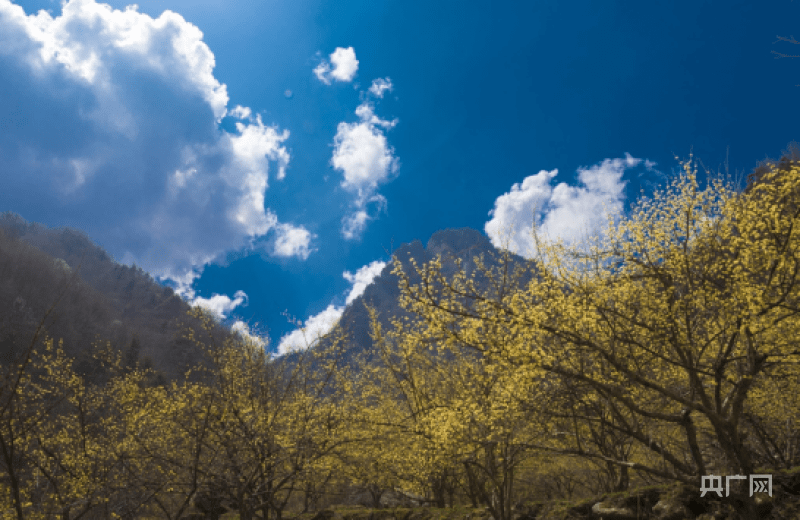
(383, 293)
(123, 305)
(101, 301)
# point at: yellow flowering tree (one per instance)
(277, 423)
(664, 328)
(476, 414)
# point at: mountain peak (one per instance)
(454, 241)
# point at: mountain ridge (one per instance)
(383, 294)
(130, 303)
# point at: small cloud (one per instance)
(322, 71)
(293, 241)
(240, 112)
(366, 112)
(363, 277)
(380, 86)
(362, 153)
(288, 94)
(220, 305)
(182, 283)
(364, 156)
(315, 328)
(343, 66)
(321, 324)
(354, 224)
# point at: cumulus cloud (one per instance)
(220, 305)
(571, 213)
(362, 153)
(320, 324)
(111, 124)
(380, 86)
(293, 241)
(342, 66)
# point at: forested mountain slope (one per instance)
(104, 301)
(124, 305)
(383, 294)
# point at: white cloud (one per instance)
(315, 327)
(379, 86)
(362, 153)
(241, 112)
(321, 324)
(220, 305)
(244, 331)
(362, 278)
(122, 110)
(88, 39)
(182, 284)
(322, 72)
(343, 66)
(366, 112)
(293, 241)
(571, 213)
(354, 224)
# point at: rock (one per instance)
(670, 509)
(360, 498)
(607, 511)
(400, 498)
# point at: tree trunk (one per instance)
(623, 480)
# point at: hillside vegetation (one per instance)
(99, 302)
(592, 382)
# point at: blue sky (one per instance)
(264, 156)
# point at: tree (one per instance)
(76, 450)
(669, 324)
(463, 410)
(28, 399)
(131, 360)
(27, 406)
(275, 424)
(167, 443)
(393, 453)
